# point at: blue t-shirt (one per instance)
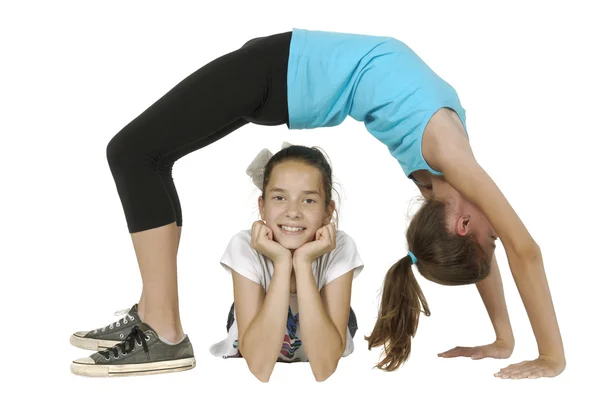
(373, 79)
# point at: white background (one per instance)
(74, 73)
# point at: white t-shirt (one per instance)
(249, 263)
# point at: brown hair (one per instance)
(442, 257)
(310, 156)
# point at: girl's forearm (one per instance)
(262, 341)
(322, 342)
(532, 284)
(492, 295)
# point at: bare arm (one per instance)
(445, 148)
(492, 293)
(262, 318)
(324, 319)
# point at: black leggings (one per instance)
(248, 85)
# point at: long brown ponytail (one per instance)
(396, 325)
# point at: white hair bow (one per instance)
(256, 169)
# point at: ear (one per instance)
(261, 207)
(462, 225)
(329, 212)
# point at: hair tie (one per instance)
(412, 256)
(256, 169)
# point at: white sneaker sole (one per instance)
(80, 367)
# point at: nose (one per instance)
(293, 210)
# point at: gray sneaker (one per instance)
(110, 335)
(142, 353)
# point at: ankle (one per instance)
(170, 335)
(173, 339)
(168, 330)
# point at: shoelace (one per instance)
(136, 336)
(117, 323)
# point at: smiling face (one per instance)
(294, 205)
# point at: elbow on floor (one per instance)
(261, 371)
(324, 371)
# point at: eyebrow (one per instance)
(304, 192)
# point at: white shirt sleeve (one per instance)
(240, 257)
(344, 258)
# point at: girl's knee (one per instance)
(123, 147)
(115, 150)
